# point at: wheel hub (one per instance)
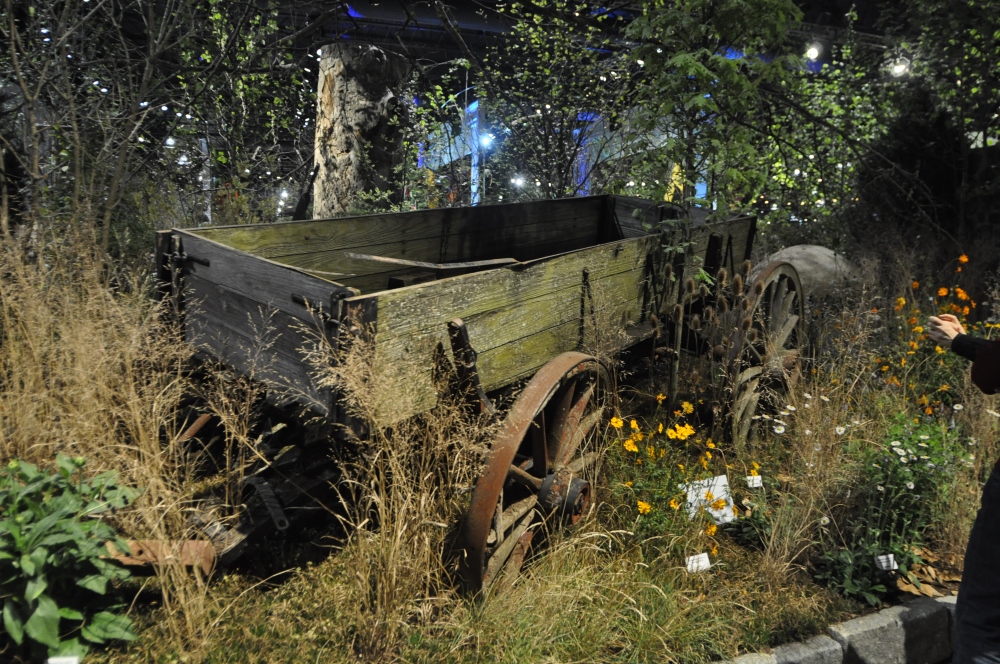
(564, 495)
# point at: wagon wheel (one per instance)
(538, 468)
(765, 357)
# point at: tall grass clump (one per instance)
(88, 371)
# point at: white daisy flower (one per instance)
(909, 485)
(791, 408)
(840, 431)
(921, 444)
(856, 422)
(880, 488)
(895, 443)
(808, 405)
(824, 398)
(924, 437)
(824, 521)
(779, 429)
(807, 395)
(899, 451)
(808, 432)
(993, 412)
(902, 459)
(958, 406)
(785, 413)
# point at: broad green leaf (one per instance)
(70, 614)
(35, 588)
(107, 625)
(97, 583)
(12, 621)
(43, 625)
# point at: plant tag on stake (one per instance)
(886, 562)
(63, 660)
(755, 481)
(698, 563)
(703, 494)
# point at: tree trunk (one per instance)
(358, 143)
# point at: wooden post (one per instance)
(358, 146)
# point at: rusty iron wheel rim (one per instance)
(760, 368)
(546, 428)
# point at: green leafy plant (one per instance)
(54, 566)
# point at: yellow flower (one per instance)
(687, 408)
(643, 506)
(660, 428)
(629, 484)
(714, 550)
(634, 425)
(902, 362)
(709, 496)
(922, 401)
(900, 303)
(718, 504)
(913, 345)
(708, 455)
(755, 464)
(929, 410)
(617, 422)
(918, 330)
(753, 472)
(963, 259)
(885, 367)
(630, 445)
(651, 452)
(671, 434)
(942, 292)
(681, 466)
(674, 504)
(660, 398)
(711, 530)
(638, 435)
(944, 388)
(710, 444)
(663, 452)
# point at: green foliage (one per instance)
(891, 508)
(54, 567)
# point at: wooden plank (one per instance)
(250, 318)
(261, 280)
(288, 379)
(411, 321)
(468, 265)
(271, 240)
(541, 241)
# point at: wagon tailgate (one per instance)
(518, 317)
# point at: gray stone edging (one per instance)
(918, 632)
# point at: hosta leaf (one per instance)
(13, 622)
(43, 625)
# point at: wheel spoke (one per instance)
(509, 516)
(564, 429)
(583, 463)
(786, 307)
(560, 420)
(502, 553)
(581, 431)
(539, 444)
(524, 477)
(781, 338)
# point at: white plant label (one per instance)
(755, 481)
(698, 563)
(702, 495)
(63, 660)
(886, 562)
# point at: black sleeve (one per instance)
(968, 347)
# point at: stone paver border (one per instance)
(919, 632)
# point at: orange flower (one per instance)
(942, 292)
(963, 259)
(961, 294)
(660, 398)
(915, 285)
(929, 410)
(912, 320)
(965, 311)
(874, 310)
(958, 269)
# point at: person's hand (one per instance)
(944, 328)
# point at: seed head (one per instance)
(737, 284)
(695, 322)
(722, 303)
(758, 287)
(746, 267)
(745, 323)
(689, 286)
(678, 313)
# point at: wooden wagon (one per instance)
(509, 293)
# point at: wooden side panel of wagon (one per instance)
(518, 317)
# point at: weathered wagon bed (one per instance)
(525, 278)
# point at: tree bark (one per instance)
(359, 137)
